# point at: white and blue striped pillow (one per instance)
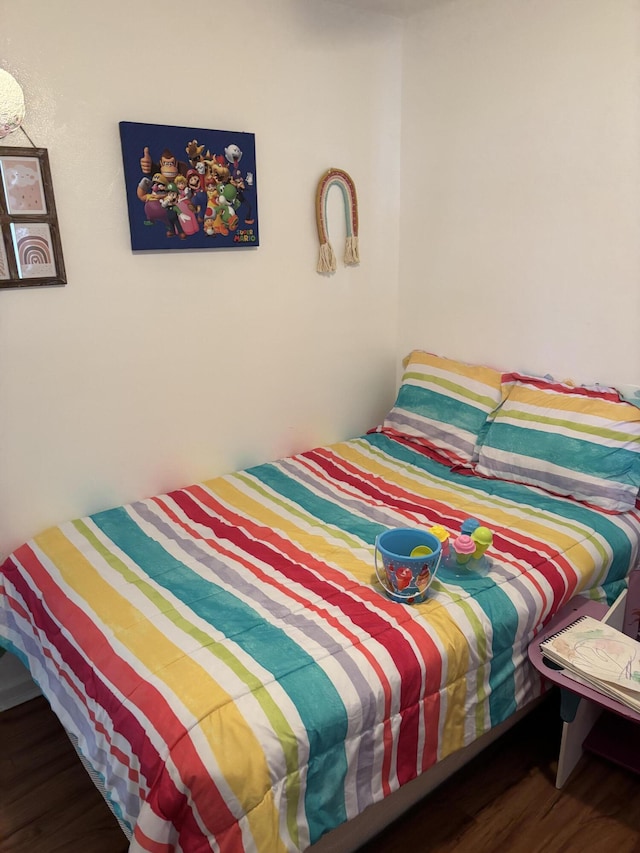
(443, 404)
(576, 441)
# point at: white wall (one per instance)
(516, 243)
(520, 241)
(147, 372)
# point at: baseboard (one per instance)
(16, 685)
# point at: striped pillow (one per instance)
(443, 404)
(572, 441)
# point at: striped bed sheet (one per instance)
(230, 669)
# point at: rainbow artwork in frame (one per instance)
(30, 246)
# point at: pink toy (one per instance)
(464, 548)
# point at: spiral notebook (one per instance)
(600, 656)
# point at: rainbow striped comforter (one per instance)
(230, 668)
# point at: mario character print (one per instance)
(189, 188)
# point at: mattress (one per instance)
(230, 668)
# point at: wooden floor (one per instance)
(505, 800)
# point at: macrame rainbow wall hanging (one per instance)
(327, 258)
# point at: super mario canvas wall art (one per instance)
(189, 188)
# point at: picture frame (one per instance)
(189, 187)
(30, 245)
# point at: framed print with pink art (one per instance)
(30, 247)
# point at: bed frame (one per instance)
(350, 836)
(186, 638)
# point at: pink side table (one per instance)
(581, 707)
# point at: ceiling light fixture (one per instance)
(11, 104)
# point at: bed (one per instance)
(225, 659)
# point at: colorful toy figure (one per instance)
(170, 204)
(152, 192)
(211, 189)
(228, 203)
(234, 155)
(187, 210)
(168, 165)
(198, 195)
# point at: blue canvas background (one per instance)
(150, 234)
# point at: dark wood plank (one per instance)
(505, 800)
(48, 803)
